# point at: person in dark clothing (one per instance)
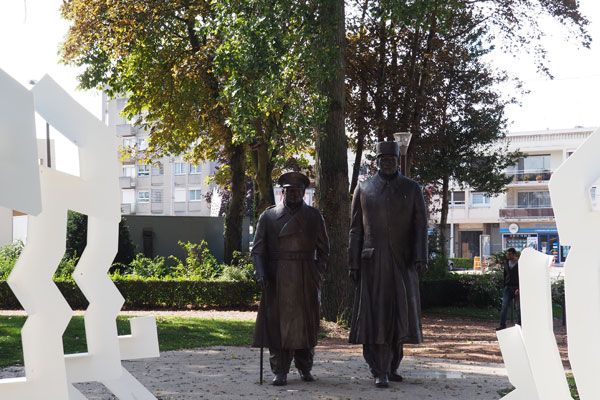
(387, 252)
(290, 253)
(511, 286)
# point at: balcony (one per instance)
(125, 130)
(127, 208)
(126, 182)
(529, 177)
(532, 213)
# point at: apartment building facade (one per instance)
(522, 216)
(168, 186)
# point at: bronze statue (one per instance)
(387, 252)
(290, 254)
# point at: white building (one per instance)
(169, 186)
(523, 216)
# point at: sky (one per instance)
(31, 30)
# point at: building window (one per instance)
(459, 198)
(142, 143)
(538, 199)
(479, 199)
(533, 164)
(195, 169)
(195, 195)
(129, 143)
(143, 170)
(157, 195)
(143, 197)
(129, 171)
(180, 168)
(128, 196)
(179, 196)
(158, 169)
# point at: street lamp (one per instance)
(403, 139)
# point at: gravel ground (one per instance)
(459, 359)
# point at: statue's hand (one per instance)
(354, 275)
(422, 267)
(262, 282)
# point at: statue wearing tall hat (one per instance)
(387, 252)
(290, 254)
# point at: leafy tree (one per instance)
(205, 79)
(77, 239)
(417, 66)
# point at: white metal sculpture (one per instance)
(49, 374)
(531, 354)
(577, 224)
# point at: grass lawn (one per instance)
(173, 333)
(479, 313)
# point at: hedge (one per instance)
(156, 294)
(483, 291)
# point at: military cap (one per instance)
(293, 179)
(391, 148)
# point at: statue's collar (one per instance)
(282, 210)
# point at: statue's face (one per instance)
(388, 164)
(293, 195)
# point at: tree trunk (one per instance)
(235, 209)
(361, 133)
(263, 178)
(331, 195)
(444, 216)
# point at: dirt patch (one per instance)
(447, 338)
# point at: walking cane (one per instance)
(261, 365)
(264, 301)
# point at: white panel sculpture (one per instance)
(95, 193)
(18, 148)
(31, 279)
(577, 225)
(530, 353)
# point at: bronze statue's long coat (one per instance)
(288, 314)
(388, 235)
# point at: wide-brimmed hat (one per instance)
(387, 148)
(293, 179)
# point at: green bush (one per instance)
(66, 267)
(145, 267)
(9, 254)
(198, 264)
(156, 294)
(241, 270)
(558, 292)
(462, 263)
(484, 290)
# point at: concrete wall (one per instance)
(167, 231)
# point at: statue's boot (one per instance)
(382, 381)
(306, 376)
(280, 380)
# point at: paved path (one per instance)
(232, 373)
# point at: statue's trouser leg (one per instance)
(379, 358)
(303, 359)
(280, 360)
(397, 355)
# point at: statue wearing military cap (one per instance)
(387, 251)
(290, 254)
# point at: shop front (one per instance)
(541, 237)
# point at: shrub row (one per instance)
(156, 294)
(484, 291)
